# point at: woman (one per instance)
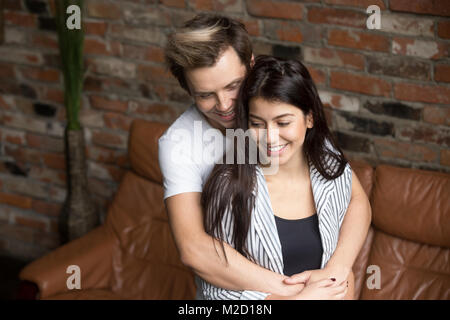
(288, 221)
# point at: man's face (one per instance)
(215, 88)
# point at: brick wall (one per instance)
(387, 91)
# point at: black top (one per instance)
(300, 243)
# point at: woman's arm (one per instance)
(198, 252)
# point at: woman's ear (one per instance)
(309, 120)
(252, 61)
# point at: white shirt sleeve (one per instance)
(180, 173)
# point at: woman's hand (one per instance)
(326, 289)
(339, 273)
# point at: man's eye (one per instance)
(234, 87)
(204, 96)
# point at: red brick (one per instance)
(207, 5)
(174, 3)
(15, 200)
(30, 222)
(360, 83)
(97, 28)
(288, 32)
(95, 46)
(422, 93)
(54, 160)
(20, 19)
(23, 155)
(14, 136)
(319, 76)
(424, 133)
(47, 175)
(444, 29)
(436, 115)
(100, 102)
(108, 139)
(404, 150)
(445, 157)
(333, 57)
(275, 9)
(420, 48)
(45, 142)
(157, 109)
(337, 16)
(252, 27)
(101, 154)
(117, 121)
(358, 40)
(357, 3)
(12, 5)
(442, 72)
(432, 7)
(338, 101)
(148, 53)
(39, 74)
(7, 71)
(48, 41)
(53, 95)
(154, 73)
(102, 9)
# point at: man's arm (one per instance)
(354, 228)
(198, 252)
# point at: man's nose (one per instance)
(224, 102)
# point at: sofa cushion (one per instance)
(86, 294)
(143, 148)
(147, 264)
(412, 204)
(407, 270)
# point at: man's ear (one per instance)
(252, 61)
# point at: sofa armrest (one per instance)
(92, 253)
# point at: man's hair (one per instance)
(200, 42)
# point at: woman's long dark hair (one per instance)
(230, 187)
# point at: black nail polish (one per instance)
(332, 279)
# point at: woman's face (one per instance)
(285, 124)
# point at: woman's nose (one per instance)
(272, 136)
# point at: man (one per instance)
(210, 57)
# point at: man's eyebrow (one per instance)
(228, 85)
(277, 117)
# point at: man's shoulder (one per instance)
(183, 124)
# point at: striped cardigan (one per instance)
(331, 198)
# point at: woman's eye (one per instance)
(283, 124)
(255, 124)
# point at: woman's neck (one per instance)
(296, 168)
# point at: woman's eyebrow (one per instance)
(277, 117)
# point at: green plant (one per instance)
(71, 44)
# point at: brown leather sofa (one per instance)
(133, 255)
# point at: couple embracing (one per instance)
(248, 232)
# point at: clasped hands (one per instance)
(329, 283)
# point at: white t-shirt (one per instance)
(187, 152)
